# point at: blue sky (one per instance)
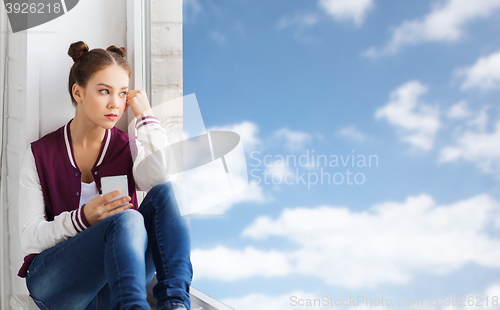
(415, 84)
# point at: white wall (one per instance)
(4, 244)
(97, 23)
(14, 140)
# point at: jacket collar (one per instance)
(69, 146)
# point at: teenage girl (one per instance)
(83, 250)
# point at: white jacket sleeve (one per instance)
(37, 234)
(154, 162)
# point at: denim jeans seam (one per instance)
(159, 242)
(31, 265)
(47, 258)
(116, 264)
(38, 302)
(155, 204)
(69, 240)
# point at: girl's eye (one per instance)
(124, 93)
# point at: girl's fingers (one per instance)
(106, 198)
(117, 203)
(120, 209)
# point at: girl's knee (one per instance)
(167, 186)
(129, 215)
(129, 219)
(127, 232)
(170, 195)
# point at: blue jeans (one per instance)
(110, 264)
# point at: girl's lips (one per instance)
(111, 117)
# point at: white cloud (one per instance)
(350, 132)
(480, 121)
(416, 122)
(350, 10)
(202, 191)
(459, 110)
(340, 10)
(226, 264)
(218, 37)
(248, 132)
(477, 146)
(279, 168)
(492, 290)
(295, 140)
(190, 10)
(253, 192)
(279, 302)
(483, 75)
(445, 23)
(473, 303)
(389, 243)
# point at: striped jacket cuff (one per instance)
(148, 119)
(78, 219)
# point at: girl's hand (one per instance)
(138, 102)
(99, 207)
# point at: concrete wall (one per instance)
(14, 140)
(166, 50)
(3, 210)
(166, 66)
(37, 101)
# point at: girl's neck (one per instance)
(85, 133)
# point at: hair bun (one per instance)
(77, 49)
(119, 50)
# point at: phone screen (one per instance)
(110, 184)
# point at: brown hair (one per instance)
(87, 63)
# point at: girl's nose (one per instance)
(113, 103)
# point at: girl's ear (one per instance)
(76, 91)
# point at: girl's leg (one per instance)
(169, 243)
(70, 274)
(101, 301)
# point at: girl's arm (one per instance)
(154, 160)
(38, 234)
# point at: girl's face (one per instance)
(103, 101)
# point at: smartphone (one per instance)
(111, 184)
